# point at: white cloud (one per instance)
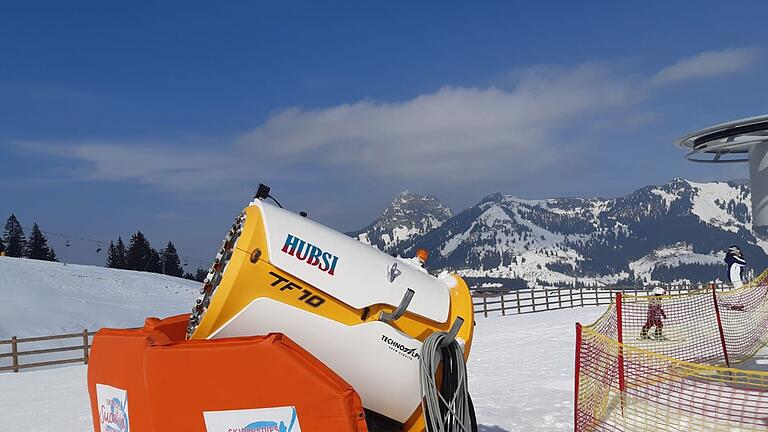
(453, 136)
(164, 167)
(707, 64)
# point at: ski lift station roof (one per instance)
(726, 142)
(737, 141)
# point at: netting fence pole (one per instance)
(576, 371)
(720, 325)
(620, 358)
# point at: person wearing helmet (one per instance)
(736, 263)
(654, 316)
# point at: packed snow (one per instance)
(39, 298)
(520, 372)
(45, 400)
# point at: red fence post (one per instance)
(620, 359)
(576, 370)
(720, 325)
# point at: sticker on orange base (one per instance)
(113, 408)
(280, 419)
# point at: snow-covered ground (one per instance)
(45, 400)
(39, 298)
(520, 370)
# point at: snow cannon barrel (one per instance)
(360, 311)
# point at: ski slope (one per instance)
(520, 372)
(39, 298)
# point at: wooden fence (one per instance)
(18, 351)
(507, 303)
(544, 299)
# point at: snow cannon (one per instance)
(363, 313)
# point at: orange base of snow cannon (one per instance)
(153, 379)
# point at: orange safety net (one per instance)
(675, 363)
(153, 379)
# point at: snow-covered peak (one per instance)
(408, 216)
(662, 232)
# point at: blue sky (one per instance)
(165, 116)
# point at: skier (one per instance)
(2, 248)
(655, 315)
(736, 263)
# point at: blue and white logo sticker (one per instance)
(113, 408)
(279, 419)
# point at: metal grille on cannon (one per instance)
(213, 279)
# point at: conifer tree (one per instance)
(120, 253)
(170, 262)
(140, 255)
(37, 246)
(199, 275)
(114, 260)
(14, 238)
(111, 256)
(116, 254)
(154, 265)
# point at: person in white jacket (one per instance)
(736, 263)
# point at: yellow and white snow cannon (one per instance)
(360, 311)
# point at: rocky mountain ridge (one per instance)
(673, 232)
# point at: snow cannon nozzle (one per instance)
(262, 192)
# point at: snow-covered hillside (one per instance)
(671, 256)
(516, 242)
(520, 377)
(43, 298)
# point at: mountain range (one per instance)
(676, 232)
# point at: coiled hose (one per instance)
(448, 409)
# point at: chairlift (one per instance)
(98, 247)
(67, 243)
